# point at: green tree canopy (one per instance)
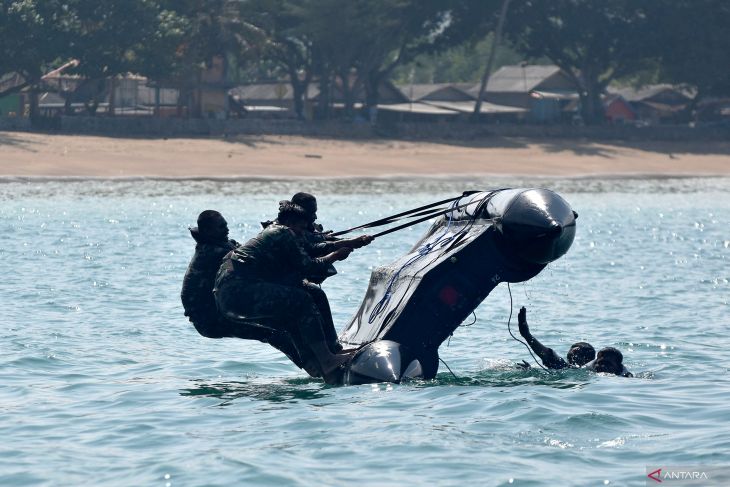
(594, 42)
(33, 37)
(691, 40)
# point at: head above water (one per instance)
(581, 353)
(308, 202)
(293, 216)
(212, 225)
(609, 360)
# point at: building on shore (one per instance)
(618, 110)
(543, 91)
(454, 100)
(656, 104)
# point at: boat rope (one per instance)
(447, 366)
(509, 320)
(419, 220)
(422, 251)
(426, 249)
(420, 211)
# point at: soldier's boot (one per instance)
(330, 363)
(316, 341)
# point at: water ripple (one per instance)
(105, 381)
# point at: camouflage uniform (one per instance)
(323, 306)
(197, 290)
(262, 281)
(316, 244)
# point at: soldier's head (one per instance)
(581, 353)
(293, 216)
(308, 202)
(212, 225)
(609, 360)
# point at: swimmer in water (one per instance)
(580, 355)
(609, 360)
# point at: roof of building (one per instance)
(270, 91)
(650, 91)
(417, 107)
(554, 94)
(437, 91)
(10, 80)
(58, 71)
(282, 91)
(468, 107)
(388, 93)
(518, 78)
(661, 107)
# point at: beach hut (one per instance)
(659, 103)
(454, 99)
(542, 91)
(436, 91)
(269, 99)
(618, 110)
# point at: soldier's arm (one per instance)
(301, 258)
(322, 248)
(549, 358)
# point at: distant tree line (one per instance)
(356, 44)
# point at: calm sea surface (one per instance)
(104, 382)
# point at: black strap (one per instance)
(409, 213)
(428, 217)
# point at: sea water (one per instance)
(104, 382)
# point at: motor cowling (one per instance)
(382, 361)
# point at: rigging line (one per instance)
(386, 298)
(453, 208)
(403, 294)
(465, 326)
(473, 321)
(447, 366)
(414, 222)
(438, 244)
(420, 252)
(509, 320)
(387, 221)
(391, 218)
(413, 212)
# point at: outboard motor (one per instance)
(382, 361)
(415, 303)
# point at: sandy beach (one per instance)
(43, 155)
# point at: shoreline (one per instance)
(32, 156)
(394, 178)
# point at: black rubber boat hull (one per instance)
(416, 303)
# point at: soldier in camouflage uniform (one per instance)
(318, 243)
(212, 244)
(262, 281)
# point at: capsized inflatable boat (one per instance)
(415, 303)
